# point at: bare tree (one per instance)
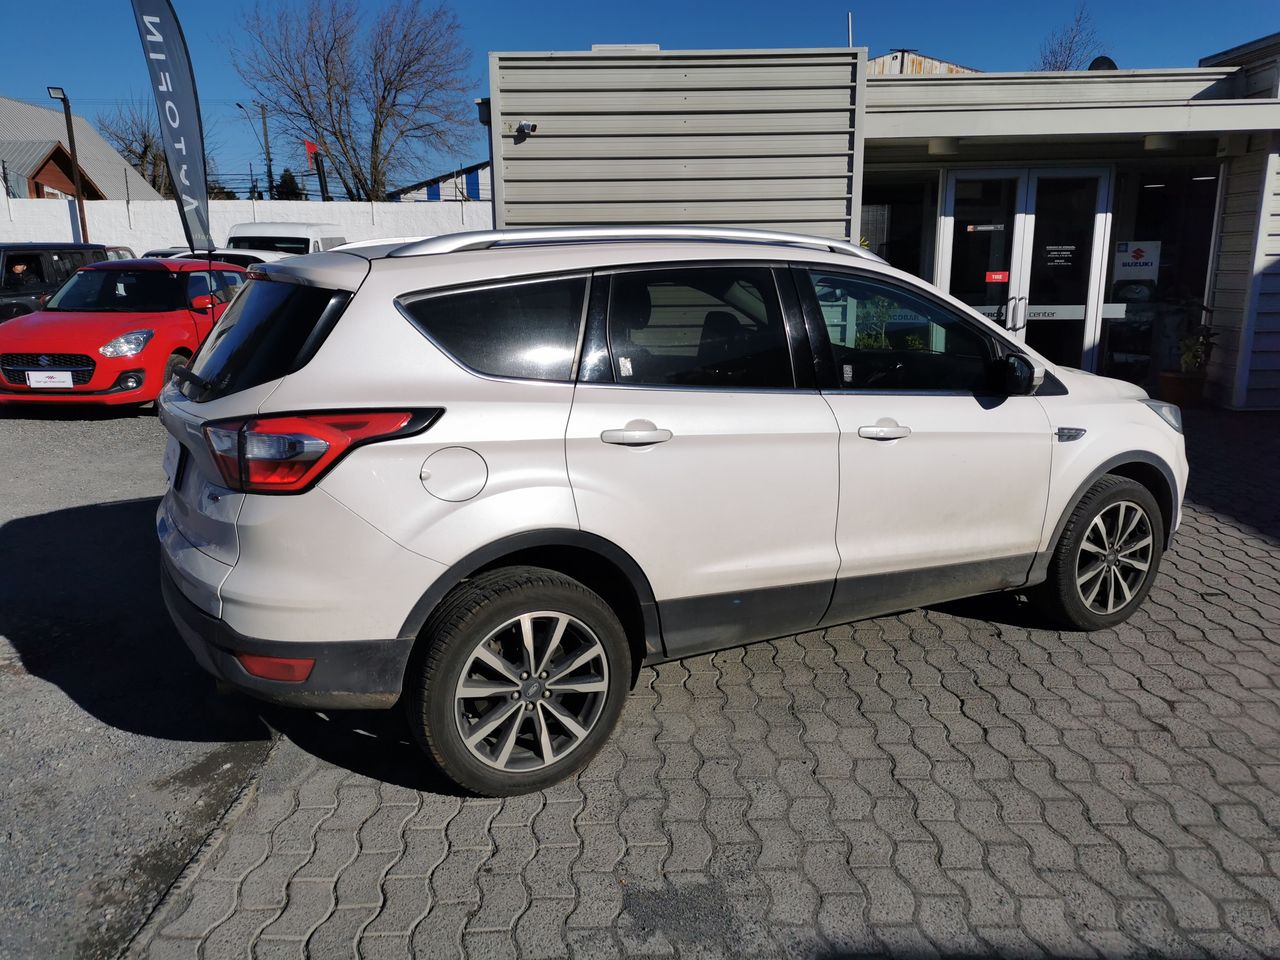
(1073, 45)
(133, 129)
(377, 97)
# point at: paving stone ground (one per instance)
(947, 781)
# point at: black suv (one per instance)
(32, 271)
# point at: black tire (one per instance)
(175, 361)
(484, 611)
(1059, 597)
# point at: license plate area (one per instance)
(175, 463)
(49, 379)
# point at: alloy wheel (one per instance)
(1115, 557)
(531, 691)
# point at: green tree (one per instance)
(287, 186)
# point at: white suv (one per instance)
(490, 475)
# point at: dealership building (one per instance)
(1101, 215)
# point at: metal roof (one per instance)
(440, 178)
(25, 126)
(21, 159)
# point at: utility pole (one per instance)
(57, 93)
(266, 149)
(324, 179)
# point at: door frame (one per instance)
(1028, 179)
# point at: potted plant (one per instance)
(1185, 387)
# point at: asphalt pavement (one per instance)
(118, 759)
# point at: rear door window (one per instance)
(272, 329)
(527, 331)
(698, 327)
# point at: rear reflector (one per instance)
(288, 669)
(289, 453)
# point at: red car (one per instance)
(114, 332)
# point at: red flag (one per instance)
(311, 154)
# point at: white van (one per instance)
(290, 238)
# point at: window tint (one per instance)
(290, 245)
(115, 290)
(523, 330)
(232, 281)
(23, 270)
(884, 337)
(67, 262)
(271, 330)
(198, 285)
(699, 327)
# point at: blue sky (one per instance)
(93, 50)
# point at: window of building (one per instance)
(700, 327)
(1161, 233)
(884, 337)
(900, 219)
(524, 330)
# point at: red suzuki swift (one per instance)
(114, 332)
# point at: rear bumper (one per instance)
(357, 674)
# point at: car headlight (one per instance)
(1167, 412)
(127, 344)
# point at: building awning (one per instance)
(1110, 104)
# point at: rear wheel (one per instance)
(520, 680)
(1107, 556)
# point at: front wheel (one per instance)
(1107, 556)
(520, 680)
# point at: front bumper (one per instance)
(106, 386)
(357, 674)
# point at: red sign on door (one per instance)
(997, 276)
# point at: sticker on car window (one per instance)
(624, 366)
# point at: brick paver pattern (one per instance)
(929, 783)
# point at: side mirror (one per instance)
(1021, 375)
(202, 302)
(44, 299)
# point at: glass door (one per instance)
(982, 228)
(1026, 248)
(1064, 264)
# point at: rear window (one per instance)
(528, 331)
(270, 330)
(293, 245)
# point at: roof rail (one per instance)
(484, 239)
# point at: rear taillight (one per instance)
(289, 453)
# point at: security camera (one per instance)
(524, 128)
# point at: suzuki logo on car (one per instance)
(44, 361)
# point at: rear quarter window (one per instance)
(270, 330)
(526, 330)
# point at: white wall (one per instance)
(143, 225)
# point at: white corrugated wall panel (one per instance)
(720, 137)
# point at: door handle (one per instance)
(637, 433)
(884, 431)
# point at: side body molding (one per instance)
(533, 540)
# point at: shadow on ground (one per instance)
(72, 412)
(80, 602)
(1235, 466)
(372, 743)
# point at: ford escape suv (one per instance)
(487, 476)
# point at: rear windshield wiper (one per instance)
(185, 374)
